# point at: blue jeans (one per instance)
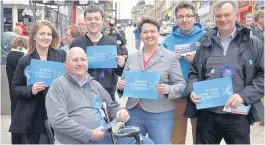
(126, 140)
(158, 125)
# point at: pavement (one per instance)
(256, 132)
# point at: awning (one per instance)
(245, 9)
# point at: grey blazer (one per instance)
(165, 62)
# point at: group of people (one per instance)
(68, 102)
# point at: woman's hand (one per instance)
(37, 87)
(163, 89)
(121, 84)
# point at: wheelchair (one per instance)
(123, 131)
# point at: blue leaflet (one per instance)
(213, 93)
(102, 56)
(141, 84)
(45, 71)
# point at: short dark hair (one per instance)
(258, 14)
(148, 20)
(92, 9)
(185, 5)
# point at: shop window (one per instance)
(8, 19)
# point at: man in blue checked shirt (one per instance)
(228, 50)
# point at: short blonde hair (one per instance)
(18, 30)
(20, 42)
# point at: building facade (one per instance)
(22, 11)
(204, 12)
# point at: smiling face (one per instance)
(82, 27)
(76, 62)
(94, 22)
(185, 19)
(149, 34)
(225, 18)
(43, 37)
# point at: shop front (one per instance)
(245, 9)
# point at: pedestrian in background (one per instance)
(258, 26)
(19, 46)
(186, 32)
(82, 26)
(30, 112)
(154, 117)
(137, 37)
(71, 33)
(18, 30)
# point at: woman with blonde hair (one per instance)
(18, 30)
(30, 111)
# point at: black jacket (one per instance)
(250, 48)
(30, 112)
(111, 75)
(12, 60)
(257, 32)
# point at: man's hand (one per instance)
(121, 84)
(122, 115)
(190, 57)
(178, 53)
(98, 134)
(121, 61)
(234, 101)
(123, 46)
(37, 87)
(195, 99)
(163, 89)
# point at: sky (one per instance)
(127, 5)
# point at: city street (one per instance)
(257, 132)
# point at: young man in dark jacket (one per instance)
(229, 44)
(94, 21)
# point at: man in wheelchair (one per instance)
(74, 106)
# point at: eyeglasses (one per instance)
(186, 16)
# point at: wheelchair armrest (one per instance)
(49, 131)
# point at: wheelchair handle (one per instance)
(129, 131)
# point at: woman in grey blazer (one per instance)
(155, 117)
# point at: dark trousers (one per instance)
(16, 138)
(212, 127)
(34, 138)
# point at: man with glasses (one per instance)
(71, 32)
(82, 26)
(229, 50)
(185, 33)
(74, 105)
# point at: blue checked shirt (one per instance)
(225, 43)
